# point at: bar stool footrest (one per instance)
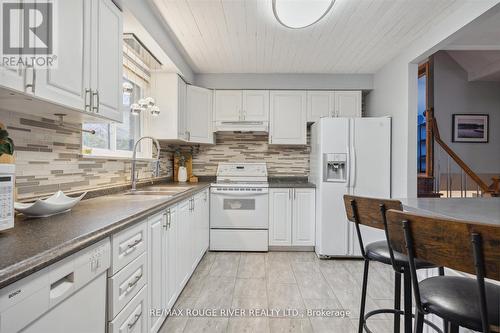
(397, 312)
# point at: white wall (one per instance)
(285, 81)
(395, 93)
(453, 93)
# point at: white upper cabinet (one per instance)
(319, 105)
(12, 78)
(169, 92)
(181, 109)
(255, 105)
(69, 82)
(347, 103)
(199, 115)
(185, 110)
(288, 124)
(87, 76)
(107, 60)
(241, 105)
(228, 105)
(333, 104)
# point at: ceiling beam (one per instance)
(147, 14)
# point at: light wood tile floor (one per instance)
(281, 280)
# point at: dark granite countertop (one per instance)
(293, 182)
(35, 243)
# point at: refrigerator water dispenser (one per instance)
(335, 168)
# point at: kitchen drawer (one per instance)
(133, 319)
(124, 285)
(238, 240)
(127, 245)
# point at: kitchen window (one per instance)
(117, 140)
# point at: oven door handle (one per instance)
(240, 194)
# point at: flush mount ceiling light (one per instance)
(297, 14)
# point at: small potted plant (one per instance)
(6, 146)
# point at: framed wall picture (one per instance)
(470, 128)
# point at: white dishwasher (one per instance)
(68, 296)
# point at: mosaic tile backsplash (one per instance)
(282, 161)
(48, 158)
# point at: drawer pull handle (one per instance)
(135, 320)
(137, 241)
(133, 283)
(128, 248)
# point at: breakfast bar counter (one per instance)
(482, 210)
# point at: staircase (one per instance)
(451, 177)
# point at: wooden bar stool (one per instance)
(371, 213)
(468, 247)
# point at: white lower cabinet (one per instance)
(292, 217)
(158, 285)
(184, 243)
(177, 239)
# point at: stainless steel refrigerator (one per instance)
(348, 156)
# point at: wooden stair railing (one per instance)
(491, 190)
(495, 186)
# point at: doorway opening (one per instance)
(425, 143)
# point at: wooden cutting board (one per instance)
(188, 164)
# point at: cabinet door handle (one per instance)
(165, 216)
(96, 107)
(294, 194)
(289, 194)
(88, 106)
(33, 78)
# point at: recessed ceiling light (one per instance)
(296, 14)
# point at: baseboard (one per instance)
(292, 248)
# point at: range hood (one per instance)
(242, 126)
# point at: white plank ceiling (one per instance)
(242, 36)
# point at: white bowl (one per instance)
(55, 204)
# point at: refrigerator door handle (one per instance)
(348, 173)
(353, 166)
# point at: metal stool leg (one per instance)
(397, 301)
(407, 300)
(453, 328)
(419, 323)
(445, 322)
(363, 297)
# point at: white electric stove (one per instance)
(239, 206)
